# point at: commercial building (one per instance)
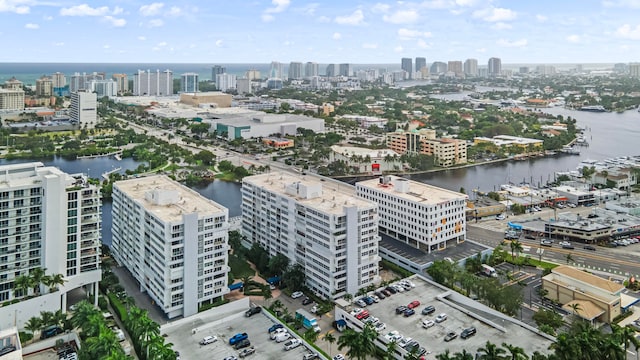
(173, 241)
(102, 88)
(83, 109)
(345, 70)
(318, 224)
(278, 143)
(251, 74)
(11, 99)
(295, 70)
(311, 69)
(122, 82)
(406, 64)
(421, 63)
(11, 347)
(447, 152)
(44, 86)
(634, 69)
(158, 83)
(226, 82)
(253, 124)
(471, 67)
(206, 99)
(189, 83)
(372, 161)
(331, 70)
(494, 66)
(49, 220)
(423, 216)
(505, 141)
(243, 86)
(367, 121)
(598, 299)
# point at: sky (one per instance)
(323, 31)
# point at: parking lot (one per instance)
(461, 313)
(186, 334)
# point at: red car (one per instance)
(362, 315)
(413, 304)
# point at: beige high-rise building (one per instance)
(447, 152)
(13, 84)
(11, 99)
(634, 69)
(44, 86)
(122, 81)
(252, 74)
(455, 67)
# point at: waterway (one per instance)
(224, 193)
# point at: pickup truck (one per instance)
(237, 338)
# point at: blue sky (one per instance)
(324, 31)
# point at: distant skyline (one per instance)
(328, 31)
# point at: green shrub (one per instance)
(395, 268)
(117, 306)
(102, 303)
(205, 307)
(25, 336)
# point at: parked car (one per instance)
(292, 344)
(569, 246)
(310, 356)
(252, 311)
(368, 300)
(277, 332)
(404, 342)
(362, 315)
(246, 352)
(590, 247)
(361, 303)
(208, 340)
(546, 242)
(50, 331)
(429, 309)
(386, 292)
(230, 358)
(391, 289)
(339, 357)
(400, 309)
(440, 318)
(306, 301)
(413, 304)
(275, 327)
(380, 295)
(468, 332)
(237, 338)
(450, 336)
(355, 311)
(500, 217)
(428, 323)
(242, 344)
(409, 312)
(296, 294)
(380, 326)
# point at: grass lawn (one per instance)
(226, 177)
(239, 267)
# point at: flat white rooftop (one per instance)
(417, 191)
(332, 198)
(179, 200)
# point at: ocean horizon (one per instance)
(29, 72)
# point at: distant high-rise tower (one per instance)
(407, 66)
(311, 69)
(83, 109)
(216, 70)
(345, 70)
(295, 70)
(158, 83)
(494, 67)
(123, 82)
(225, 82)
(455, 67)
(634, 69)
(252, 74)
(438, 67)
(44, 86)
(421, 63)
(331, 70)
(59, 83)
(189, 83)
(471, 67)
(276, 70)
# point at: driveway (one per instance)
(142, 300)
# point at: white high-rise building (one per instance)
(471, 67)
(102, 88)
(83, 109)
(189, 83)
(82, 81)
(158, 83)
(295, 70)
(311, 69)
(320, 225)
(226, 82)
(174, 242)
(49, 220)
(423, 216)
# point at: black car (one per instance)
(391, 289)
(386, 292)
(590, 247)
(428, 310)
(51, 331)
(242, 344)
(570, 247)
(400, 309)
(252, 311)
(530, 237)
(380, 295)
(306, 301)
(468, 332)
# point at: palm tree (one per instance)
(444, 356)
(569, 258)
(626, 336)
(105, 343)
(361, 344)
(328, 337)
(53, 281)
(33, 324)
(390, 354)
(576, 308)
(491, 352)
(82, 313)
(21, 285)
(37, 275)
(516, 247)
(516, 353)
(464, 355)
(48, 318)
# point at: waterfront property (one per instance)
(375, 161)
(504, 141)
(447, 152)
(317, 223)
(48, 220)
(424, 216)
(173, 241)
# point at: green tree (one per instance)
(294, 277)
(515, 352)
(21, 285)
(491, 352)
(278, 264)
(206, 157)
(37, 275)
(516, 248)
(329, 338)
(33, 324)
(53, 281)
(361, 344)
(99, 347)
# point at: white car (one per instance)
(292, 344)
(564, 243)
(119, 333)
(428, 323)
(355, 311)
(339, 357)
(392, 335)
(283, 337)
(208, 340)
(404, 342)
(296, 294)
(380, 326)
(440, 318)
(277, 332)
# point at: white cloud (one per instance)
(278, 6)
(48, 18)
(495, 14)
(541, 18)
(106, 46)
(115, 22)
(633, 4)
(465, 2)
(573, 38)
(410, 34)
(267, 17)
(151, 9)
(219, 43)
(84, 10)
(142, 38)
(117, 10)
(402, 17)
(287, 43)
(337, 36)
(380, 8)
(309, 9)
(155, 23)
(369, 46)
(627, 31)
(15, 6)
(481, 50)
(174, 11)
(398, 49)
(324, 19)
(515, 43)
(438, 4)
(501, 26)
(357, 18)
(58, 44)
(31, 26)
(162, 44)
(423, 44)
